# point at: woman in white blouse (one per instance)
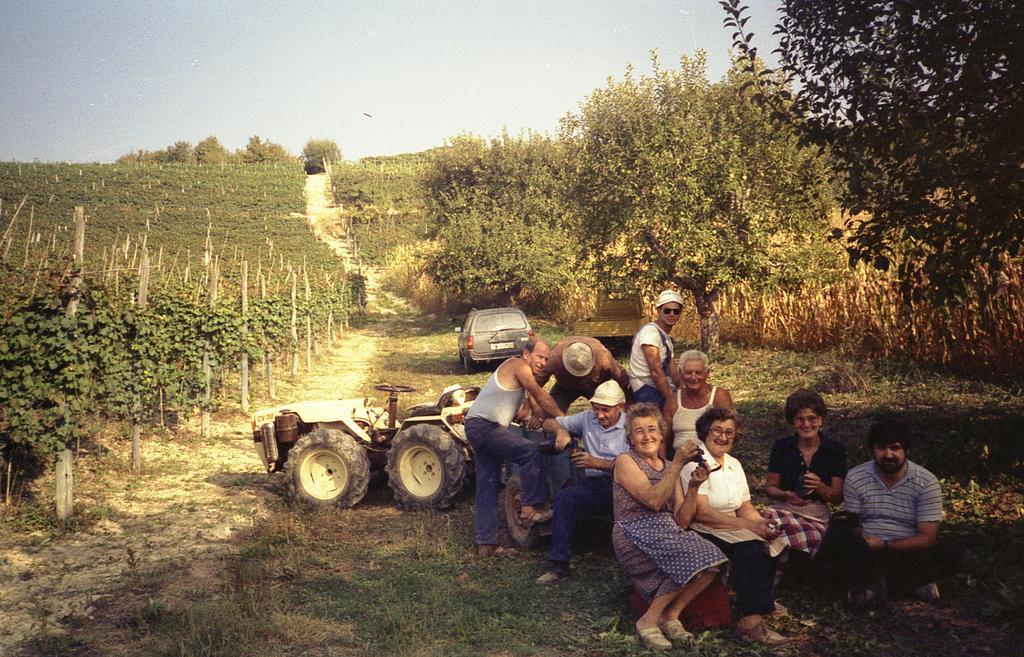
(724, 515)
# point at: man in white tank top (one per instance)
(487, 422)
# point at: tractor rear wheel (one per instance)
(426, 468)
(328, 468)
(526, 534)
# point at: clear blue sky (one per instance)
(89, 81)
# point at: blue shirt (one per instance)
(598, 441)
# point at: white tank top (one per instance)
(684, 422)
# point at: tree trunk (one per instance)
(707, 311)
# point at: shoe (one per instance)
(653, 638)
(676, 633)
(761, 634)
(862, 597)
(537, 516)
(929, 592)
(778, 612)
(552, 577)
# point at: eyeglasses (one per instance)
(671, 311)
(719, 431)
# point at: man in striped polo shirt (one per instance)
(895, 506)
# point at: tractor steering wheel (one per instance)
(387, 387)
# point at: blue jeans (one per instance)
(493, 444)
(590, 496)
(648, 393)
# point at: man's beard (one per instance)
(890, 466)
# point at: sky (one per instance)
(88, 81)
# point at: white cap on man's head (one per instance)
(578, 359)
(608, 393)
(668, 296)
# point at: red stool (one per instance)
(709, 609)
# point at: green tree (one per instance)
(259, 150)
(318, 151)
(181, 153)
(500, 220)
(920, 104)
(210, 151)
(684, 181)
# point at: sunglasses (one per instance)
(671, 311)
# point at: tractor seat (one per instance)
(423, 409)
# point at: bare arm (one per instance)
(562, 437)
(654, 496)
(652, 356)
(833, 493)
(742, 520)
(524, 375)
(927, 532)
(774, 491)
(723, 399)
(686, 503)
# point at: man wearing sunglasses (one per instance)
(653, 374)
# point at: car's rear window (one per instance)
(500, 321)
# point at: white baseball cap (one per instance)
(578, 359)
(668, 296)
(608, 393)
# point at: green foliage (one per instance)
(115, 358)
(387, 181)
(683, 181)
(318, 151)
(258, 150)
(210, 151)
(500, 220)
(917, 103)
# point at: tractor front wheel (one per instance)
(328, 468)
(426, 468)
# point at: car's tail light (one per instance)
(469, 342)
(531, 334)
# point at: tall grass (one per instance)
(865, 314)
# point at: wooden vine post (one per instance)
(64, 497)
(206, 430)
(244, 383)
(268, 357)
(137, 404)
(309, 324)
(295, 327)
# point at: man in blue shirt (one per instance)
(604, 437)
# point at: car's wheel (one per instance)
(426, 468)
(468, 366)
(327, 467)
(525, 534)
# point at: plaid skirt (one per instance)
(802, 533)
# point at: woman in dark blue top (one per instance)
(805, 473)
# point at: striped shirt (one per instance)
(892, 513)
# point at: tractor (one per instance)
(329, 448)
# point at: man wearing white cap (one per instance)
(604, 437)
(580, 364)
(652, 367)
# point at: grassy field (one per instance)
(376, 581)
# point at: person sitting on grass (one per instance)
(724, 515)
(604, 438)
(668, 565)
(886, 541)
(487, 423)
(805, 474)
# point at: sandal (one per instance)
(536, 516)
(653, 638)
(676, 633)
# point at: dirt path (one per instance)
(175, 524)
